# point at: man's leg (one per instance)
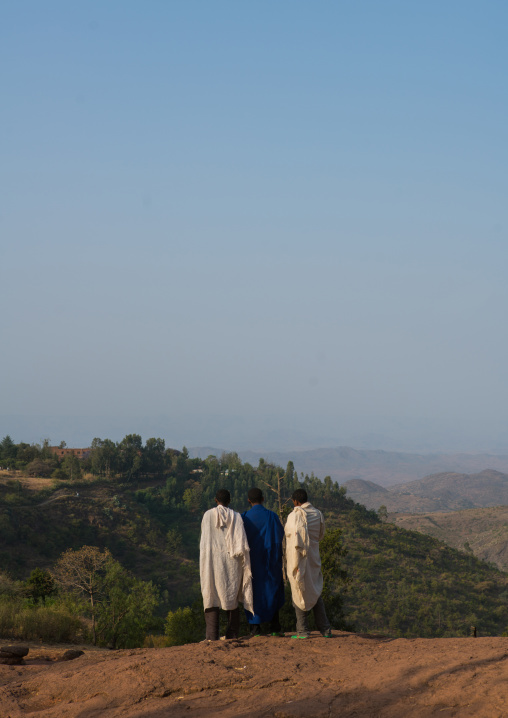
(275, 627)
(302, 625)
(233, 628)
(255, 629)
(322, 622)
(212, 624)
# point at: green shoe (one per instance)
(299, 636)
(279, 634)
(327, 634)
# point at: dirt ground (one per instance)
(347, 675)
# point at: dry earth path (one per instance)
(348, 675)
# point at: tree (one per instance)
(40, 467)
(125, 609)
(131, 455)
(173, 541)
(335, 577)
(72, 467)
(192, 497)
(40, 585)
(104, 457)
(154, 456)
(82, 571)
(8, 449)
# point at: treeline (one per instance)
(189, 484)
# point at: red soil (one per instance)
(347, 675)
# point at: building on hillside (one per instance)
(62, 453)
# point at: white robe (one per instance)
(304, 530)
(224, 561)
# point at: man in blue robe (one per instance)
(265, 535)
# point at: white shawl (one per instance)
(304, 529)
(225, 570)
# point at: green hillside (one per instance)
(402, 582)
(484, 532)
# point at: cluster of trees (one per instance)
(127, 459)
(409, 584)
(87, 595)
(39, 460)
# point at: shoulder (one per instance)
(291, 518)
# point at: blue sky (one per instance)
(291, 215)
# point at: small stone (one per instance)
(18, 651)
(71, 654)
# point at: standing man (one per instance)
(265, 535)
(305, 528)
(224, 565)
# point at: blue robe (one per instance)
(265, 534)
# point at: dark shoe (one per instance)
(279, 634)
(255, 630)
(327, 634)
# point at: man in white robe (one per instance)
(304, 530)
(224, 565)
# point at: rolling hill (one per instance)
(448, 491)
(483, 532)
(402, 582)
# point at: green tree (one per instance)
(335, 577)
(40, 585)
(154, 456)
(185, 625)
(173, 541)
(71, 465)
(104, 457)
(125, 609)
(8, 449)
(131, 456)
(41, 467)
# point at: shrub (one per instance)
(52, 624)
(185, 625)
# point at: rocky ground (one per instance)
(347, 675)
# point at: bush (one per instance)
(185, 625)
(51, 624)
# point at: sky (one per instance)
(263, 224)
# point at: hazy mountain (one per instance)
(446, 491)
(386, 468)
(487, 488)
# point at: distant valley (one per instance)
(448, 491)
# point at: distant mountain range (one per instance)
(445, 491)
(385, 468)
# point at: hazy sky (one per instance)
(294, 210)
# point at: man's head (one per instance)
(223, 497)
(255, 496)
(299, 497)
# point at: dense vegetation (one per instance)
(144, 504)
